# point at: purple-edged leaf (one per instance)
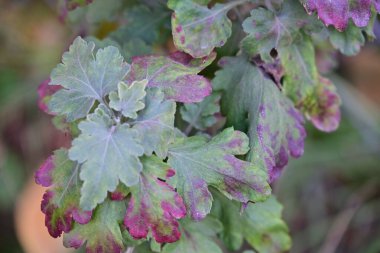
(175, 76)
(45, 91)
(108, 153)
(196, 29)
(338, 12)
(102, 234)
(268, 29)
(200, 163)
(85, 78)
(60, 203)
(314, 95)
(154, 206)
(252, 102)
(73, 4)
(155, 123)
(326, 117)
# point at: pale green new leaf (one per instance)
(155, 123)
(108, 153)
(85, 78)
(204, 114)
(129, 99)
(196, 29)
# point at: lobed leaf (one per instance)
(85, 78)
(197, 237)
(175, 76)
(129, 99)
(60, 203)
(269, 29)
(253, 103)
(315, 95)
(204, 114)
(154, 205)
(338, 13)
(200, 163)
(263, 227)
(196, 29)
(102, 233)
(108, 153)
(155, 124)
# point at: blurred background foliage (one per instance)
(331, 196)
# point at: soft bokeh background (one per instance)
(331, 196)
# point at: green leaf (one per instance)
(128, 99)
(253, 103)
(196, 29)
(155, 123)
(102, 233)
(85, 79)
(229, 213)
(199, 163)
(204, 114)
(315, 95)
(275, 29)
(143, 23)
(154, 206)
(348, 42)
(108, 153)
(197, 237)
(263, 227)
(60, 203)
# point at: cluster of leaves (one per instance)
(137, 170)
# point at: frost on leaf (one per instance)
(274, 29)
(204, 114)
(200, 163)
(175, 76)
(155, 123)
(129, 99)
(253, 103)
(102, 233)
(196, 29)
(338, 12)
(60, 203)
(197, 237)
(85, 78)
(263, 227)
(108, 153)
(313, 94)
(155, 205)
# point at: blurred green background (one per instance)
(331, 196)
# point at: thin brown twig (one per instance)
(342, 221)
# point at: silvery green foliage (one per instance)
(85, 78)
(134, 175)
